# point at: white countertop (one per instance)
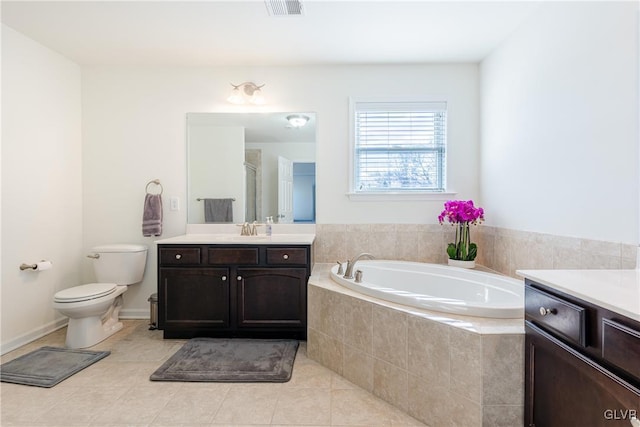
(229, 239)
(616, 290)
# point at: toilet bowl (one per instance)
(93, 309)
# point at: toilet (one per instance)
(93, 309)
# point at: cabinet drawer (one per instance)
(285, 256)
(241, 256)
(179, 256)
(557, 315)
(621, 346)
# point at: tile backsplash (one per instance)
(499, 249)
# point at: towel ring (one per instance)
(156, 182)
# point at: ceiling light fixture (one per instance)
(246, 92)
(297, 120)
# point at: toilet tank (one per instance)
(122, 264)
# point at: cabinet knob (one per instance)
(285, 256)
(224, 278)
(544, 311)
(178, 256)
(239, 278)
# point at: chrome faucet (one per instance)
(351, 263)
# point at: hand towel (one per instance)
(218, 210)
(152, 215)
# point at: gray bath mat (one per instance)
(230, 360)
(48, 366)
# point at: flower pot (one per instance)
(462, 264)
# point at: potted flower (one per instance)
(462, 214)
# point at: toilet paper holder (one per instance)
(42, 265)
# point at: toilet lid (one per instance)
(85, 292)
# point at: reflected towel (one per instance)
(218, 210)
(152, 215)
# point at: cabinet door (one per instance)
(565, 388)
(193, 298)
(272, 297)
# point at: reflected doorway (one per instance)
(304, 192)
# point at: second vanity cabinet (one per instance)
(582, 362)
(233, 290)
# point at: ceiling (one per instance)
(241, 32)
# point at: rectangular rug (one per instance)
(48, 366)
(230, 360)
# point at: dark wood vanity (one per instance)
(233, 290)
(582, 364)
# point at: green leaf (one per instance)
(451, 251)
(473, 251)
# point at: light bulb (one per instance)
(257, 97)
(235, 97)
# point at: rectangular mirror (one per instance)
(248, 166)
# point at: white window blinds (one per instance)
(400, 146)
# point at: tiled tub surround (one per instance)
(499, 249)
(441, 369)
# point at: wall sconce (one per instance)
(246, 92)
(297, 120)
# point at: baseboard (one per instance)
(134, 314)
(33, 335)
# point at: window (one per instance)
(399, 147)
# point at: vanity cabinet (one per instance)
(582, 362)
(233, 290)
(193, 296)
(271, 298)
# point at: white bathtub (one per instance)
(439, 287)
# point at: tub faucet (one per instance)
(352, 262)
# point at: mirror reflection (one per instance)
(249, 166)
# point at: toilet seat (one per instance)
(85, 292)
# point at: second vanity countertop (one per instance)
(229, 239)
(615, 290)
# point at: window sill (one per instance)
(400, 196)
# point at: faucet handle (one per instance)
(340, 269)
(358, 278)
(245, 229)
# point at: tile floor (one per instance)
(116, 391)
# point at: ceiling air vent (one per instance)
(284, 7)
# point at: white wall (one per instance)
(559, 126)
(134, 131)
(41, 184)
(216, 168)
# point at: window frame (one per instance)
(401, 194)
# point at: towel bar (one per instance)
(201, 199)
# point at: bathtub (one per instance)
(439, 287)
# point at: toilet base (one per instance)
(88, 331)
